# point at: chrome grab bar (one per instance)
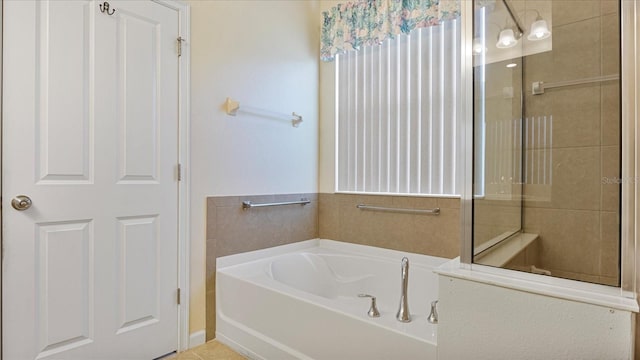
(434, 211)
(248, 204)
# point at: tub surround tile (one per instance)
(438, 235)
(328, 227)
(233, 201)
(246, 230)
(211, 311)
(449, 203)
(232, 230)
(355, 199)
(212, 214)
(409, 202)
(424, 234)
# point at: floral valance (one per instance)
(352, 25)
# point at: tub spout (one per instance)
(403, 311)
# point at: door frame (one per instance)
(183, 10)
(184, 150)
(184, 110)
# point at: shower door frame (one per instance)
(630, 196)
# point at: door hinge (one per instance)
(180, 39)
(179, 172)
(178, 296)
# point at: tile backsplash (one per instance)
(437, 235)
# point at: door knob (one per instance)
(21, 202)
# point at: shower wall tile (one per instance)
(575, 276)
(566, 11)
(610, 245)
(539, 105)
(436, 235)
(537, 68)
(611, 281)
(610, 92)
(493, 218)
(609, 6)
(575, 183)
(576, 48)
(231, 230)
(581, 254)
(610, 44)
(610, 178)
(576, 214)
(571, 106)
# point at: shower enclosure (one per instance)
(547, 137)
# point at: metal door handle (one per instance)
(21, 202)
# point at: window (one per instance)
(397, 109)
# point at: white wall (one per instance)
(265, 55)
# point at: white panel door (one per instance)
(90, 134)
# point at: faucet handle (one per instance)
(433, 316)
(373, 310)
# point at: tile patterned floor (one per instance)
(212, 350)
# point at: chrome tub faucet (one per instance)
(433, 315)
(403, 311)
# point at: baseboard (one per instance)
(197, 338)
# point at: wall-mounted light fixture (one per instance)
(478, 46)
(539, 29)
(509, 35)
(507, 38)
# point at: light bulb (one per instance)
(539, 30)
(477, 46)
(506, 39)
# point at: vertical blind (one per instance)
(397, 109)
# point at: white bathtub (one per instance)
(300, 301)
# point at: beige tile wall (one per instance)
(437, 235)
(578, 217)
(231, 230)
